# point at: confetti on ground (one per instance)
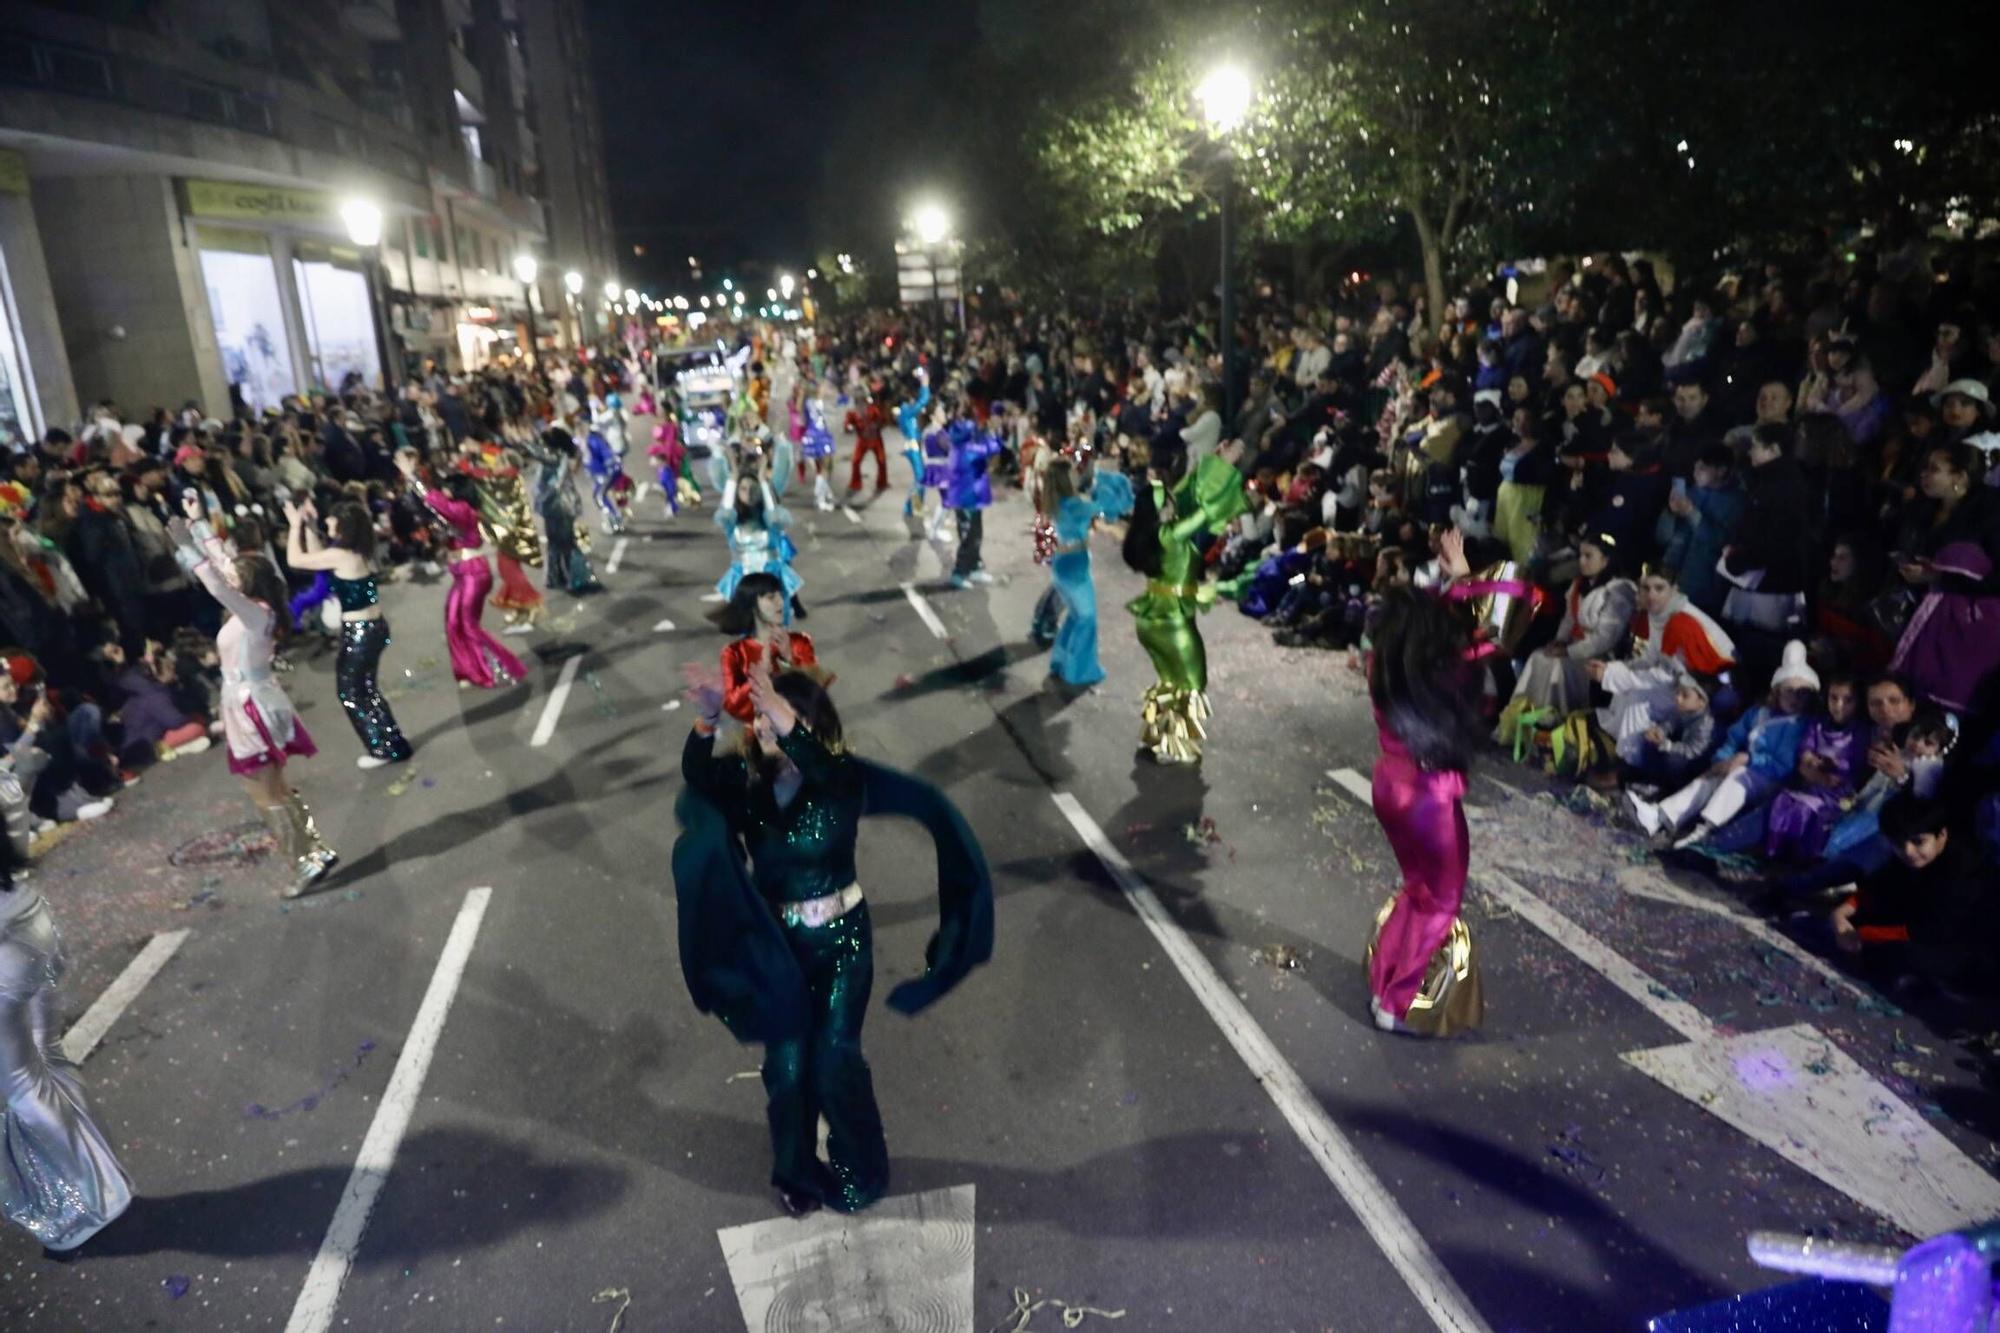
(1283, 957)
(402, 783)
(1569, 1150)
(605, 708)
(905, 681)
(665, 626)
(238, 845)
(257, 1111)
(623, 1295)
(670, 705)
(1016, 1320)
(175, 1285)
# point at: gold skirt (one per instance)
(1450, 1000)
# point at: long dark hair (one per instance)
(738, 616)
(259, 580)
(814, 706)
(462, 488)
(1417, 679)
(1141, 547)
(354, 529)
(750, 513)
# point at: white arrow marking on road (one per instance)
(1379, 1213)
(852, 517)
(314, 1311)
(88, 1031)
(906, 1264)
(617, 555)
(552, 710)
(663, 627)
(929, 617)
(1791, 1089)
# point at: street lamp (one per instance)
(363, 220)
(931, 222)
(785, 285)
(611, 289)
(573, 282)
(525, 269)
(1225, 100)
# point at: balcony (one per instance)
(480, 174)
(374, 20)
(466, 80)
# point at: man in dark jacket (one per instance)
(1696, 424)
(101, 547)
(1769, 557)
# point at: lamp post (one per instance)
(525, 268)
(363, 220)
(931, 224)
(572, 289)
(1225, 99)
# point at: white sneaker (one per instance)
(1645, 814)
(215, 728)
(365, 762)
(44, 826)
(520, 627)
(96, 809)
(981, 577)
(196, 746)
(1385, 1020)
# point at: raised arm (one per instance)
(302, 547)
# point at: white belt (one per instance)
(822, 910)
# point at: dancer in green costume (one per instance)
(1160, 544)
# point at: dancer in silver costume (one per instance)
(59, 1179)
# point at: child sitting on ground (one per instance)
(1680, 737)
(1830, 758)
(1755, 760)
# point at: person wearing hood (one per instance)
(1671, 637)
(1966, 409)
(1952, 644)
(1751, 765)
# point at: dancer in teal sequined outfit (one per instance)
(788, 959)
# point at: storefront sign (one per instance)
(13, 172)
(260, 203)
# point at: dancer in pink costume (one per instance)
(1422, 975)
(476, 656)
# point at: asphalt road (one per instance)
(578, 1129)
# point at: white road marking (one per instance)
(88, 1031)
(313, 1312)
(1372, 1203)
(670, 705)
(930, 617)
(852, 517)
(663, 627)
(1647, 882)
(552, 710)
(639, 493)
(617, 555)
(713, 597)
(1790, 1089)
(906, 1263)
(1797, 1093)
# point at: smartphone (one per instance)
(1680, 488)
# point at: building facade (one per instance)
(232, 200)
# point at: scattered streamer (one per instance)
(623, 1295)
(1072, 1315)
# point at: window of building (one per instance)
(249, 318)
(335, 308)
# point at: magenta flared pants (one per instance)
(1425, 823)
(476, 656)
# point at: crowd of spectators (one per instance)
(1757, 511)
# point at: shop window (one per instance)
(249, 318)
(335, 308)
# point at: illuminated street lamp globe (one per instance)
(785, 285)
(363, 221)
(1225, 97)
(611, 289)
(525, 269)
(573, 282)
(931, 223)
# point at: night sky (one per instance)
(744, 130)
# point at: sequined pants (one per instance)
(354, 676)
(59, 1178)
(825, 1074)
(1425, 822)
(476, 656)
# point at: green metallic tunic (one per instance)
(1176, 709)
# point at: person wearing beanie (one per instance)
(1751, 765)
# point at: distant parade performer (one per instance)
(778, 943)
(910, 423)
(816, 448)
(1159, 543)
(865, 421)
(556, 501)
(669, 456)
(477, 658)
(754, 523)
(1423, 977)
(508, 522)
(755, 614)
(349, 568)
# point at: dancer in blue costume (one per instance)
(781, 948)
(1074, 659)
(910, 422)
(754, 522)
